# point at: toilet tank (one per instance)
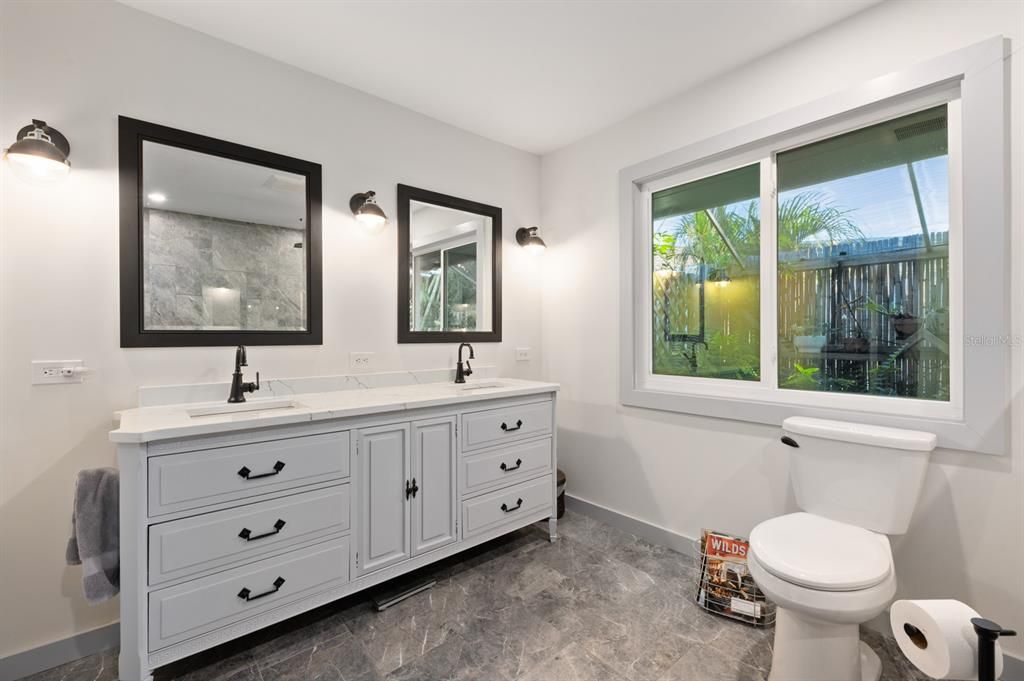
(869, 476)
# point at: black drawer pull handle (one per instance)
(247, 596)
(247, 474)
(247, 534)
(519, 424)
(411, 488)
(505, 467)
(506, 509)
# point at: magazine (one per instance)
(724, 583)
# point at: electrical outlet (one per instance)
(522, 354)
(360, 361)
(47, 372)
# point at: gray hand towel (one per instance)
(94, 542)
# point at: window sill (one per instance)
(953, 432)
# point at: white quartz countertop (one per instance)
(147, 424)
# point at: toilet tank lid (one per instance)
(875, 436)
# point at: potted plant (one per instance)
(857, 343)
(905, 324)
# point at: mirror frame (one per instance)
(407, 194)
(131, 134)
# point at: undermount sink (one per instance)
(481, 385)
(255, 405)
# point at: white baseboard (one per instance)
(51, 655)
(1013, 667)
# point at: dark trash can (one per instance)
(561, 493)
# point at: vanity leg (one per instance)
(553, 529)
(131, 668)
(133, 661)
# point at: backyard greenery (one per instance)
(711, 258)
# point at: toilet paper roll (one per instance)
(937, 636)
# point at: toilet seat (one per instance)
(816, 553)
(852, 607)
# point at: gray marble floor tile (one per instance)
(660, 562)
(573, 663)
(639, 643)
(706, 663)
(414, 627)
(590, 572)
(593, 534)
(513, 640)
(744, 643)
(450, 661)
(392, 647)
(342, 658)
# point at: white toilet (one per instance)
(829, 568)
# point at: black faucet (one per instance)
(460, 371)
(238, 386)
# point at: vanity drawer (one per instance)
(179, 482)
(506, 424)
(505, 506)
(181, 612)
(215, 540)
(507, 465)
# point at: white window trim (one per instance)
(976, 418)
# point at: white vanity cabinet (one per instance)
(229, 526)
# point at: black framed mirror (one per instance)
(220, 242)
(449, 268)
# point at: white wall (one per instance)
(80, 64)
(685, 472)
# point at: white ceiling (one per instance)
(534, 74)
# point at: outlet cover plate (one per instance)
(49, 372)
(360, 361)
(522, 354)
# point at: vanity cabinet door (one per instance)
(433, 469)
(384, 471)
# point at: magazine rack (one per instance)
(721, 591)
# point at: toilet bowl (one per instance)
(826, 579)
(829, 568)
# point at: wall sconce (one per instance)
(40, 153)
(528, 239)
(364, 207)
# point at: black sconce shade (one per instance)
(364, 207)
(528, 239)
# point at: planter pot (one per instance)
(906, 326)
(856, 344)
(809, 343)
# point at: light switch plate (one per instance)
(522, 354)
(360, 361)
(55, 371)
